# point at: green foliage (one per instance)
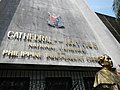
(116, 9)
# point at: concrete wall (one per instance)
(83, 29)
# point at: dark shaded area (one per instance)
(88, 82)
(111, 24)
(58, 83)
(12, 83)
(47, 67)
(7, 11)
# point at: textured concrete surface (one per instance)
(81, 24)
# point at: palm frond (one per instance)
(116, 9)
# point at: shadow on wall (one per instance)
(7, 11)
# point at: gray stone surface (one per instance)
(81, 24)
